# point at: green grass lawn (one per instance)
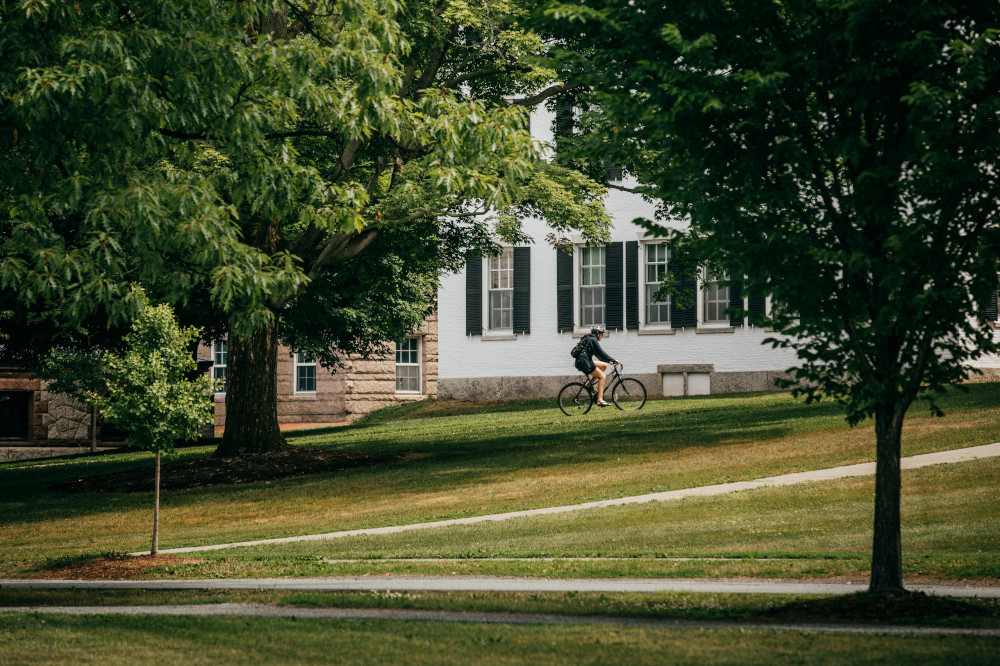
(37, 639)
(462, 460)
(466, 460)
(951, 531)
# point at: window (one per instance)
(501, 291)
(15, 415)
(220, 357)
(592, 279)
(716, 301)
(305, 372)
(498, 293)
(657, 312)
(408, 366)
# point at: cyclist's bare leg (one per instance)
(599, 376)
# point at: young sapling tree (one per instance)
(149, 393)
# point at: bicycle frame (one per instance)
(633, 393)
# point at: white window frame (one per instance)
(579, 286)
(703, 300)
(501, 268)
(298, 359)
(216, 366)
(644, 296)
(417, 350)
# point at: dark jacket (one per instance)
(591, 348)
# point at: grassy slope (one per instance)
(476, 460)
(951, 531)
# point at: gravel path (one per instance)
(863, 469)
(477, 617)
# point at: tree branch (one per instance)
(287, 135)
(545, 94)
(423, 211)
(469, 214)
(186, 136)
(454, 81)
(630, 190)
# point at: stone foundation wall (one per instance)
(527, 388)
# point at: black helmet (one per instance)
(598, 330)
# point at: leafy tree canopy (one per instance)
(233, 152)
(844, 156)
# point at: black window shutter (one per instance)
(632, 285)
(565, 120)
(613, 171)
(522, 290)
(564, 290)
(473, 294)
(991, 307)
(756, 307)
(735, 301)
(685, 317)
(614, 316)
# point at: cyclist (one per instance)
(586, 364)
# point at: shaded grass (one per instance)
(38, 639)
(473, 460)
(914, 609)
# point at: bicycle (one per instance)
(627, 393)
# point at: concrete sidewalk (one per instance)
(504, 584)
(863, 469)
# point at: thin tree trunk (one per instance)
(93, 429)
(887, 549)
(155, 550)
(252, 395)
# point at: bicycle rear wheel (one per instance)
(574, 399)
(628, 394)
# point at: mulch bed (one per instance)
(205, 472)
(113, 568)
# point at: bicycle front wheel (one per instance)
(629, 394)
(574, 399)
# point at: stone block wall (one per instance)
(371, 384)
(347, 393)
(326, 405)
(67, 420)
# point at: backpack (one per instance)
(577, 350)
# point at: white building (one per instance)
(507, 323)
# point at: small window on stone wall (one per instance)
(305, 373)
(408, 366)
(220, 357)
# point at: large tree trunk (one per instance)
(252, 395)
(887, 548)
